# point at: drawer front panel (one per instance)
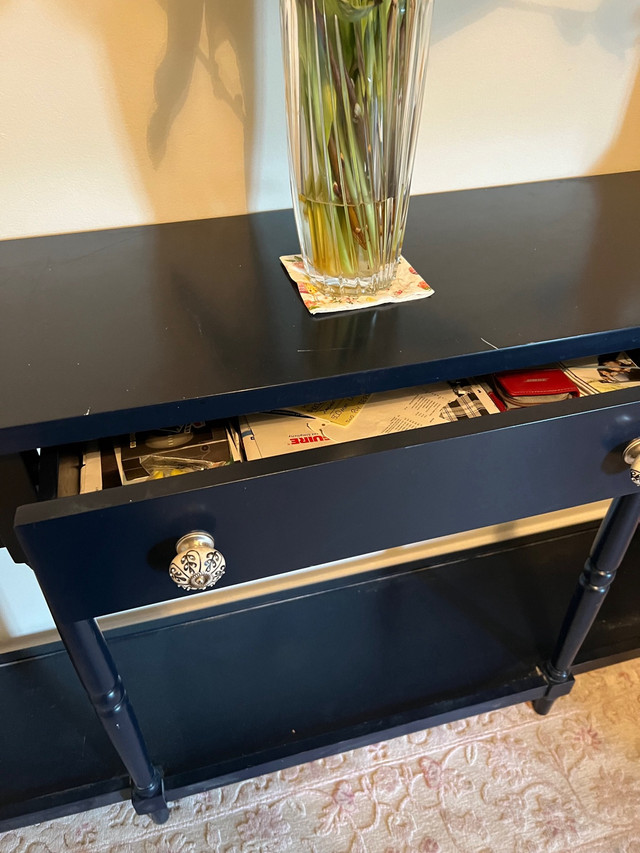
(91, 560)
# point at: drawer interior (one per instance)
(61, 468)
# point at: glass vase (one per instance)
(354, 72)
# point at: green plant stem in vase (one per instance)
(354, 73)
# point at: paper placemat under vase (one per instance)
(406, 285)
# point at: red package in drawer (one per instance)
(530, 387)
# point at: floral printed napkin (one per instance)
(406, 285)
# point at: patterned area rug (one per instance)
(501, 782)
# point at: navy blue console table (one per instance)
(109, 332)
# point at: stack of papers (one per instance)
(603, 373)
(353, 418)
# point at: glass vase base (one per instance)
(362, 285)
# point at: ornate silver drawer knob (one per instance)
(632, 458)
(197, 565)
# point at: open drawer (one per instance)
(112, 549)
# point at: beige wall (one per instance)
(119, 112)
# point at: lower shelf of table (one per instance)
(259, 685)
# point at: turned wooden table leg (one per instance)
(609, 548)
(97, 671)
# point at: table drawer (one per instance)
(112, 549)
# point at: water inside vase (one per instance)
(349, 247)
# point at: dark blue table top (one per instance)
(104, 332)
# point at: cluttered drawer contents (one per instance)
(203, 446)
(390, 469)
(299, 428)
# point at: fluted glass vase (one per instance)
(354, 72)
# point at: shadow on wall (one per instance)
(615, 24)
(623, 154)
(611, 23)
(187, 86)
(185, 20)
(181, 78)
